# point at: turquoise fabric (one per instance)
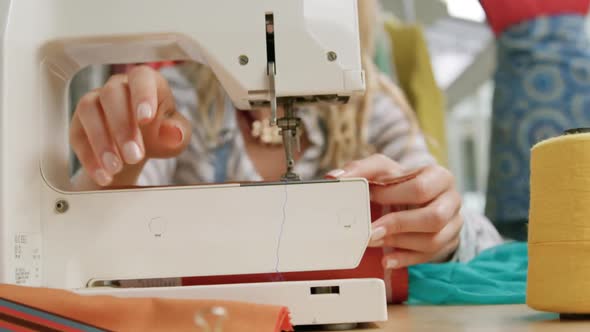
(496, 276)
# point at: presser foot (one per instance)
(290, 176)
(290, 130)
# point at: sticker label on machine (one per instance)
(27, 259)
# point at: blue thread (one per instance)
(279, 276)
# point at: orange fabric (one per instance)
(145, 314)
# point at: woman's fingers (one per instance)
(401, 258)
(424, 242)
(429, 219)
(170, 133)
(422, 189)
(418, 235)
(131, 118)
(81, 146)
(115, 101)
(92, 120)
(369, 168)
(143, 88)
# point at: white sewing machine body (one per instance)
(54, 237)
(242, 229)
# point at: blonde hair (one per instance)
(347, 137)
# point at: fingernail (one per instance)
(391, 264)
(173, 131)
(396, 172)
(179, 134)
(144, 111)
(336, 173)
(378, 234)
(102, 177)
(132, 152)
(379, 243)
(111, 162)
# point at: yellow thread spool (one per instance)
(559, 225)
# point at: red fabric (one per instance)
(370, 267)
(400, 285)
(502, 14)
(12, 327)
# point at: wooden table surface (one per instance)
(502, 318)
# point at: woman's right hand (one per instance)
(118, 127)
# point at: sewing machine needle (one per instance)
(297, 138)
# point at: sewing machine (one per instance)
(264, 52)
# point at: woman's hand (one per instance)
(428, 232)
(117, 127)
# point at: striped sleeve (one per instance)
(157, 172)
(477, 235)
(390, 132)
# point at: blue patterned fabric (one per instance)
(542, 87)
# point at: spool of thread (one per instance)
(559, 225)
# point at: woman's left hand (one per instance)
(430, 231)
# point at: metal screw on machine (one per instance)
(244, 60)
(332, 56)
(61, 206)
